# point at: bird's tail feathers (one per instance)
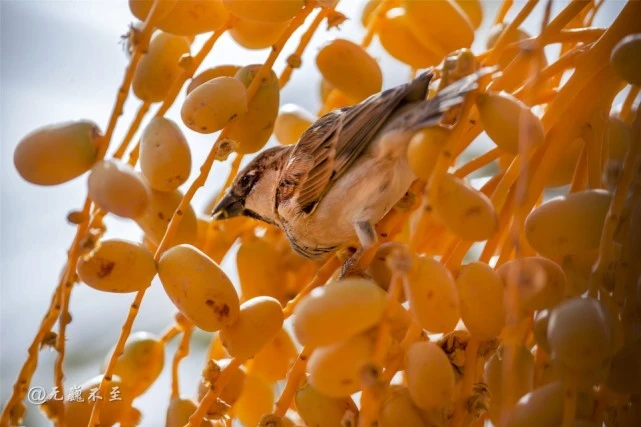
(429, 112)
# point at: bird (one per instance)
(347, 170)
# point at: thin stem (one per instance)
(478, 162)
(181, 352)
(214, 392)
(294, 377)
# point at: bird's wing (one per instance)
(331, 145)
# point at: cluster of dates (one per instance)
(520, 334)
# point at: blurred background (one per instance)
(63, 60)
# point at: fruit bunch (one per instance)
(482, 300)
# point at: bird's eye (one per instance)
(245, 180)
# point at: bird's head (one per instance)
(253, 191)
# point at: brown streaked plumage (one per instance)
(346, 171)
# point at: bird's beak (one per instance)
(229, 207)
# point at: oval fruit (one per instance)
(165, 159)
(117, 266)
(338, 311)
(265, 10)
(256, 34)
(179, 411)
(192, 17)
(626, 59)
(256, 400)
(399, 41)
(210, 74)
(398, 410)
(544, 407)
(336, 370)
(568, 225)
(260, 268)
(480, 291)
(140, 8)
(57, 153)
(540, 282)
(430, 377)
(424, 149)
(275, 358)
(433, 297)
(253, 129)
(350, 69)
(473, 10)
(509, 122)
(467, 212)
(508, 55)
(198, 287)
(316, 409)
(291, 122)
(141, 362)
(522, 375)
(162, 206)
(579, 334)
(117, 188)
(259, 321)
(159, 67)
(212, 105)
(442, 23)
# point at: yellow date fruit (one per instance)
(162, 206)
(213, 104)
(165, 159)
(265, 10)
(568, 225)
(260, 268)
(275, 358)
(78, 412)
(291, 122)
(212, 73)
(544, 407)
(259, 321)
(316, 409)
(522, 375)
(480, 291)
(579, 334)
(350, 69)
(179, 411)
(192, 17)
(507, 55)
(117, 188)
(467, 212)
(141, 362)
(140, 8)
(57, 153)
(440, 22)
(473, 10)
(398, 409)
(256, 400)
(338, 311)
(117, 266)
(399, 41)
(253, 129)
(434, 300)
(509, 122)
(159, 67)
(336, 370)
(198, 288)
(626, 59)
(425, 148)
(430, 376)
(256, 34)
(540, 281)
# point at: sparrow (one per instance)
(345, 172)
